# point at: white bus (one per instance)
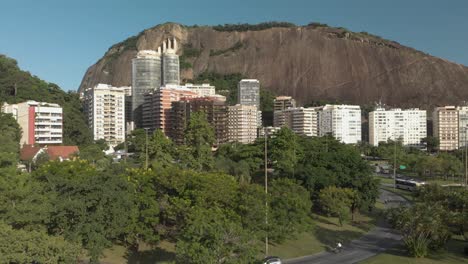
(408, 184)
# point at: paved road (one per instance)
(379, 239)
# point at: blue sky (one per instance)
(58, 40)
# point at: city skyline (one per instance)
(69, 37)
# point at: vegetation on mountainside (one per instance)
(188, 52)
(18, 86)
(252, 27)
(235, 47)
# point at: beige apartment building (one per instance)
(283, 102)
(446, 127)
(242, 123)
(104, 106)
(302, 121)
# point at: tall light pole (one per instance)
(266, 191)
(146, 148)
(466, 162)
(394, 163)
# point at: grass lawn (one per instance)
(453, 255)
(325, 232)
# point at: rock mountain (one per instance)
(310, 63)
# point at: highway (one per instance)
(379, 239)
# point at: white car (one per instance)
(272, 260)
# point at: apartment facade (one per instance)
(215, 111)
(242, 123)
(342, 122)
(157, 106)
(462, 126)
(409, 126)
(446, 127)
(41, 123)
(202, 90)
(283, 102)
(302, 121)
(249, 92)
(104, 107)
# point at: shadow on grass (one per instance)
(157, 255)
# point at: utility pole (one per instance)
(466, 161)
(266, 192)
(394, 163)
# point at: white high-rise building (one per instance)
(203, 90)
(105, 109)
(409, 126)
(41, 123)
(242, 123)
(462, 126)
(342, 122)
(302, 121)
(249, 92)
(171, 67)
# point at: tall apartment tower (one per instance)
(283, 102)
(242, 123)
(105, 110)
(342, 122)
(214, 109)
(171, 66)
(462, 126)
(409, 126)
(41, 123)
(249, 92)
(446, 127)
(146, 77)
(157, 106)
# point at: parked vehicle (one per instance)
(408, 184)
(272, 260)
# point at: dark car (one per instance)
(271, 260)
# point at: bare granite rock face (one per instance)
(308, 63)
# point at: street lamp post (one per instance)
(394, 163)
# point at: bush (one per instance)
(256, 27)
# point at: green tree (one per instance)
(160, 150)
(432, 143)
(337, 202)
(91, 208)
(285, 151)
(289, 209)
(199, 137)
(214, 235)
(21, 246)
(423, 227)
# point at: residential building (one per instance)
(157, 106)
(104, 107)
(202, 89)
(170, 60)
(409, 126)
(41, 123)
(270, 130)
(30, 152)
(462, 126)
(214, 109)
(283, 102)
(302, 121)
(342, 122)
(242, 123)
(446, 127)
(249, 92)
(146, 77)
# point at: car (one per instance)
(272, 260)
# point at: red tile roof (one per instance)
(28, 152)
(64, 152)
